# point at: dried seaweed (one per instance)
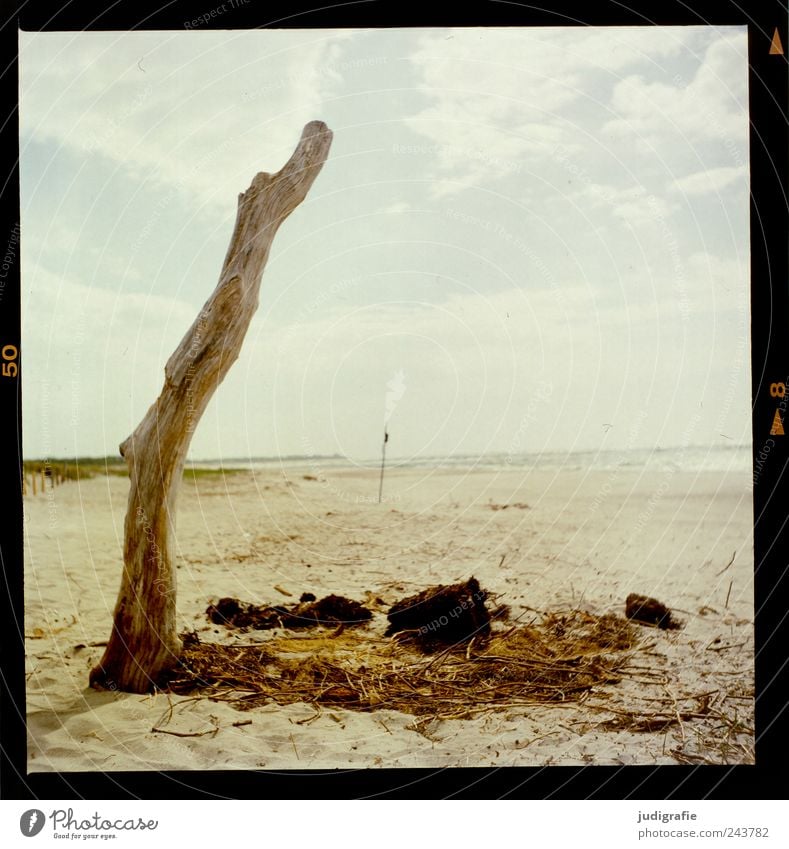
(308, 613)
(650, 611)
(441, 615)
(597, 666)
(557, 660)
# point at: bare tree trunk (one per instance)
(144, 641)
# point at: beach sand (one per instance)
(567, 539)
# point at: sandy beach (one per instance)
(543, 539)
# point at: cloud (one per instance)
(200, 110)
(397, 207)
(499, 98)
(632, 205)
(710, 181)
(708, 107)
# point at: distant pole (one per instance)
(383, 463)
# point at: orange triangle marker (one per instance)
(778, 426)
(776, 48)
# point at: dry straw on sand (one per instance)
(571, 659)
(568, 659)
(559, 659)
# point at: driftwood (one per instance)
(144, 643)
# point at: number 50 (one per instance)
(9, 354)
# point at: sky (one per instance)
(523, 240)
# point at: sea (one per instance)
(687, 458)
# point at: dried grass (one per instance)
(559, 659)
(570, 659)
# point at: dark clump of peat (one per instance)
(649, 611)
(442, 615)
(332, 610)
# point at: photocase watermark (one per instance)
(163, 585)
(538, 399)
(635, 429)
(606, 195)
(373, 499)
(760, 460)
(179, 186)
(329, 71)
(66, 825)
(65, 820)
(646, 514)
(672, 247)
(97, 140)
(52, 510)
(46, 462)
(206, 17)
(78, 337)
(339, 287)
(561, 155)
(712, 122)
(295, 329)
(9, 258)
(443, 620)
(459, 152)
(738, 364)
(195, 350)
(509, 238)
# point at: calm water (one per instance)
(725, 458)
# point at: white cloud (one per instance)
(202, 110)
(397, 207)
(710, 106)
(506, 93)
(632, 205)
(710, 181)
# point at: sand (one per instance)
(568, 538)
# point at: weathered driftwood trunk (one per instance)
(144, 640)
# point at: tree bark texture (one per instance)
(144, 642)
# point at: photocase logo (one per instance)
(31, 822)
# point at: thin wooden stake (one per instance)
(383, 464)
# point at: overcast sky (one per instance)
(523, 240)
